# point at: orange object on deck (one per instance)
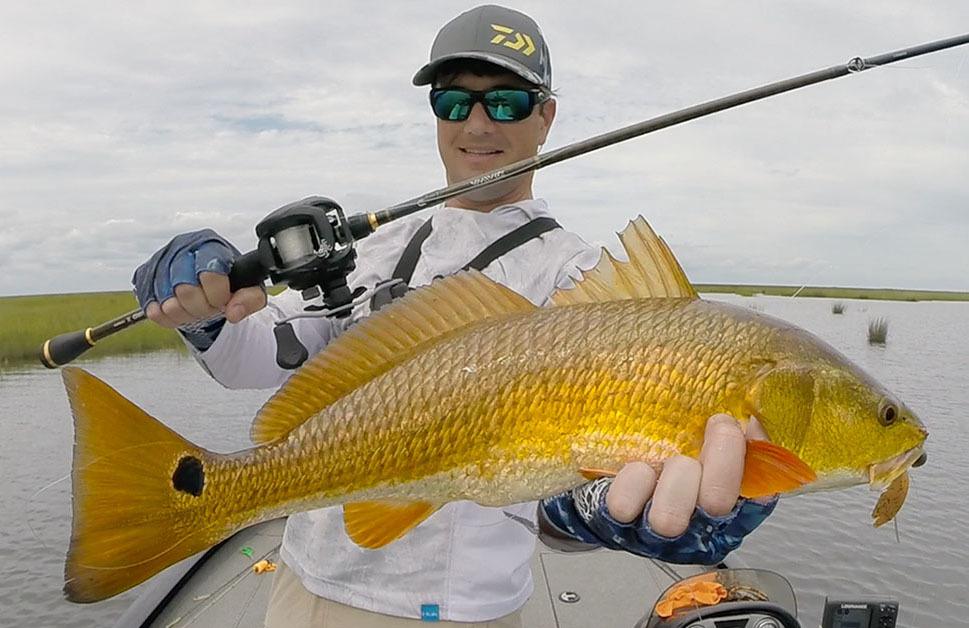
(690, 595)
(264, 566)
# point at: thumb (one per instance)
(244, 302)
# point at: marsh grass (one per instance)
(838, 307)
(880, 294)
(877, 331)
(26, 322)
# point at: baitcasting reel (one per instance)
(307, 245)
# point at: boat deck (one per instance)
(572, 590)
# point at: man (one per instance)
(491, 92)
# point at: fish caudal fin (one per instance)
(375, 524)
(770, 469)
(137, 486)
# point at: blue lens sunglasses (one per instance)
(502, 104)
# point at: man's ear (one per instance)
(547, 111)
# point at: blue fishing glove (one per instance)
(582, 515)
(180, 262)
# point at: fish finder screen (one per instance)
(852, 618)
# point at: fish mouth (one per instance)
(881, 474)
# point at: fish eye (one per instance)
(888, 413)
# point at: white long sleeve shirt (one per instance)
(466, 562)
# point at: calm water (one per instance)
(823, 543)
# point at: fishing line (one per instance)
(207, 600)
(948, 123)
(43, 489)
(84, 467)
(948, 117)
(324, 313)
(27, 513)
(918, 596)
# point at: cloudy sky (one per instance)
(124, 123)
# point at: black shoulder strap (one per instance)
(384, 293)
(512, 240)
(397, 286)
(408, 260)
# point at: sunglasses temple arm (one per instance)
(364, 224)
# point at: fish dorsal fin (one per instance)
(651, 272)
(375, 524)
(380, 342)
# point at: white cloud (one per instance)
(123, 124)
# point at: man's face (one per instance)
(477, 145)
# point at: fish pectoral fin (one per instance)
(595, 474)
(770, 469)
(890, 501)
(377, 523)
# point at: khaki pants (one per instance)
(292, 606)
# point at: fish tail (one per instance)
(138, 493)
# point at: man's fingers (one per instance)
(722, 456)
(675, 497)
(629, 491)
(192, 299)
(175, 312)
(215, 286)
(244, 302)
(154, 313)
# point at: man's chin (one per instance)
(494, 192)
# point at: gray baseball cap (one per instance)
(501, 36)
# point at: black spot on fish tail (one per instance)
(189, 476)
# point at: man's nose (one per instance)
(478, 122)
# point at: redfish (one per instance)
(464, 390)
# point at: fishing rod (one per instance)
(308, 245)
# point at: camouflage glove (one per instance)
(180, 262)
(581, 514)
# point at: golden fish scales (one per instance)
(557, 390)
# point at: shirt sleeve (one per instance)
(243, 354)
(581, 514)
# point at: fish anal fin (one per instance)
(595, 474)
(651, 271)
(374, 524)
(770, 469)
(380, 342)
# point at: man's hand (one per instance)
(187, 281)
(712, 482)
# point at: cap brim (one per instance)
(427, 74)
